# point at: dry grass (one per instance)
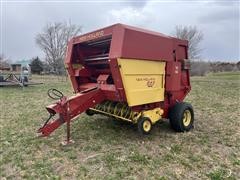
(106, 150)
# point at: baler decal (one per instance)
(149, 81)
(92, 36)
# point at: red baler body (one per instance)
(92, 65)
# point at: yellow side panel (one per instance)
(143, 80)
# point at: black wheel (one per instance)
(144, 125)
(181, 117)
(89, 112)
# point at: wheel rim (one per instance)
(187, 117)
(146, 126)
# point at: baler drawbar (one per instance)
(68, 108)
(127, 73)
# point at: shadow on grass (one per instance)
(108, 131)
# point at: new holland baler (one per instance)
(127, 73)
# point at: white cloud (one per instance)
(220, 24)
(127, 15)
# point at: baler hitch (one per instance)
(47, 127)
(55, 95)
(48, 119)
(67, 109)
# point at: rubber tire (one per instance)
(176, 117)
(140, 126)
(89, 112)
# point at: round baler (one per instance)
(127, 73)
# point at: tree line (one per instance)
(198, 68)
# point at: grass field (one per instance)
(107, 150)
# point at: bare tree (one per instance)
(194, 37)
(53, 41)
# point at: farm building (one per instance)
(16, 67)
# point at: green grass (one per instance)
(232, 76)
(107, 150)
